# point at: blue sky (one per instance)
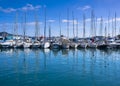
(9, 8)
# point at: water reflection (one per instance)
(92, 65)
(55, 52)
(65, 52)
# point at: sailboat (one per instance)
(102, 44)
(113, 42)
(7, 43)
(27, 41)
(83, 44)
(55, 44)
(46, 43)
(74, 43)
(18, 41)
(65, 42)
(36, 43)
(92, 43)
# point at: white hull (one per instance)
(27, 45)
(18, 45)
(82, 45)
(7, 44)
(45, 45)
(114, 45)
(74, 45)
(36, 45)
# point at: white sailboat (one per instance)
(92, 43)
(84, 43)
(18, 44)
(27, 43)
(73, 45)
(8, 44)
(36, 43)
(65, 43)
(45, 44)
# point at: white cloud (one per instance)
(70, 21)
(27, 7)
(51, 21)
(105, 20)
(86, 7)
(33, 23)
(7, 10)
(30, 7)
(88, 20)
(117, 19)
(28, 23)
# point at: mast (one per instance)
(16, 25)
(108, 23)
(77, 28)
(112, 28)
(24, 26)
(73, 25)
(45, 23)
(36, 27)
(101, 27)
(84, 26)
(49, 30)
(92, 23)
(60, 23)
(115, 23)
(96, 26)
(105, 31)
(68, 23)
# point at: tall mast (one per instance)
(84, 26)
(92, 20)
(24, 28)
(73, 25)
(45, 23)
(96, 26)
(115, 23)
(101, 27)
(36, 26)
(49, 30)
(60, 23)
(16, 25)
(77, 28)
(108, 23)
(68, 23)
(105, 31)
(112, 28)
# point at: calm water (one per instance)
(37, 67)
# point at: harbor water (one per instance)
(44, 67)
